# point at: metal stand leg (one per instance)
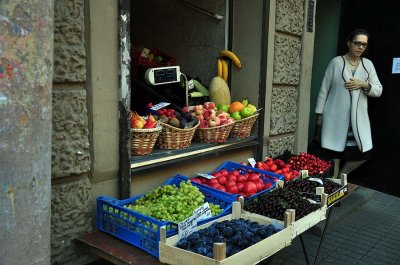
(304, 249)
(323, 234)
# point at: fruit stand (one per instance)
(136, 221)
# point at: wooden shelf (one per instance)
(159, 157)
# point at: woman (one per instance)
(342, 104)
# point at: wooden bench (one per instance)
(115, 250)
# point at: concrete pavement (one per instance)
(363, 230)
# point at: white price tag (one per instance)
(207, 176)
(160, 105)
(187, 226)
(304, 173)
(312, 201)
(190, 84)
(252, 161)
(203, 212)
(317, 180)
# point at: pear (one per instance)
(252, 108)
(245, 102)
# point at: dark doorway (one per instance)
(381, 19)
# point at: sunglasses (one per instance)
(360, 44)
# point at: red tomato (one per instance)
(241, 178)
(221, 188)
(212, 181)
(253, 177)
(279, 171)
(235, 172)
(285, 170)
(232, 178)
(240, 186)
(230, 184)
(216, 174)
(268, 185)
(249, 188)
(224, 172)
(222, 180)
(266, 167)
(259, 165)
(259, 186)
(288, 176)
(233, 189)
(273, 167)
(196, 180)
(214, 185)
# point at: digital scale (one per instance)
(163, 75)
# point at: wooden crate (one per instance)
(172, 255)
(300, 226)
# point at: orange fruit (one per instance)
(235, 106)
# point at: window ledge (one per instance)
(159, 157)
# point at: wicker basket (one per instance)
(217, 134)
(242, 128)
(175, 138)
(143, 140)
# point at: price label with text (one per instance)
(203, 212)
(252, 161)
(204, 175)
(160, 106)
(304, 173)
(187, 226)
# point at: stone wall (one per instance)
(289, 24)
(71, 204)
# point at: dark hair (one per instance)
(355, 33)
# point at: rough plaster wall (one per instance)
(284, 110)
(289, 25)
(69, 49)
(70, 149)
(287, 60)
(169, 26)
(26, 44)
(72, 215)
(71, 204)
(290, 16)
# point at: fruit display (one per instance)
(275, 203)
(172, 203)
(238, 180)
(241, 109)
(182, 120)
(138, 122)
(238, 234)
(209, 117)
(312, 163)
(278, 166)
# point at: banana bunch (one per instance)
(222, 63)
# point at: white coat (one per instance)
(340, 106)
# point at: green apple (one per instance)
(236, 115)
(245, 112)
(223, 107)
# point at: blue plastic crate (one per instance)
(143, 231)
(266, 176)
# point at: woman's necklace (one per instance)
(355, 64)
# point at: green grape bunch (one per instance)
(172, 203)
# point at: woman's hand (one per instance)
(355, 84)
